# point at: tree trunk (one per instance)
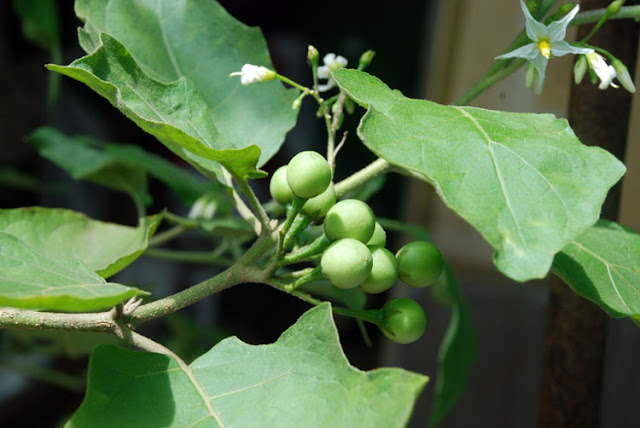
(576, 328)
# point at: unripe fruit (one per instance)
(279, 188)
(318, 206)
(346, 263)
(419, 263)
(308, 174)
(384, 271)
(379, 237)
(350, 218)
(404, 320)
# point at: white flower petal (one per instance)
(528, 52)
(535, 30)
(324, 72)
(557, 30)
(329, 85)
(561, 48)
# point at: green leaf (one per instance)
(33, 281)
(169, 73)
(86, 157)
(524, 181)
(303, 379)
(457, 352)
(105, 248)
(84, 162)
(603, 265)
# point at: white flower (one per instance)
(546, 41)
(254, 73)
(331, 63)
(606, 73)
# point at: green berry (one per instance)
(384, 271)
(279, 188)
(317, 207)
(308, 174)
(379, 237)
(419, 263)
(346, 263)
(404, 320)
(350, 218)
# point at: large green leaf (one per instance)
(603, 265)
(105, 248)
(29, 279)
(302, 380)
(88, 158)
(170, 74)
(524, 181)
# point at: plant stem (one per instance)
(24, 318)
(240, 206)
(373, 316)
(303, 253)
(487, 81)
(258, 209)
(374, 169)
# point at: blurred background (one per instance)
(426, 49)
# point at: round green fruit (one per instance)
(346, 263)
(404, 320)
(279, 188)
(419, 263)
(384, 271)
(317, 207)
(379, 237)
(350, 218)
(308, 174)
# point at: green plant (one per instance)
(404, 320)
(384, 271)
(350, 218)
(523, 180)
(346, 263)
(419, 263)
(308, 174)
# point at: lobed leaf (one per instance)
(33, 281)
(166, 66)
(603, 265)
(524, 181)
(105, 248)
(303, 379)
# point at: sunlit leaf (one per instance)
(303, 379)
(31, 280)
(524, 181)
(105, 248)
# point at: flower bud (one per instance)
(580, 69)
(531, 75)
(312, 56)
(298, 102)
(614, 7)
(623, 75)
(365, 59)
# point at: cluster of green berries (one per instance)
(357, 256)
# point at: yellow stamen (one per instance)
(545, 49)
